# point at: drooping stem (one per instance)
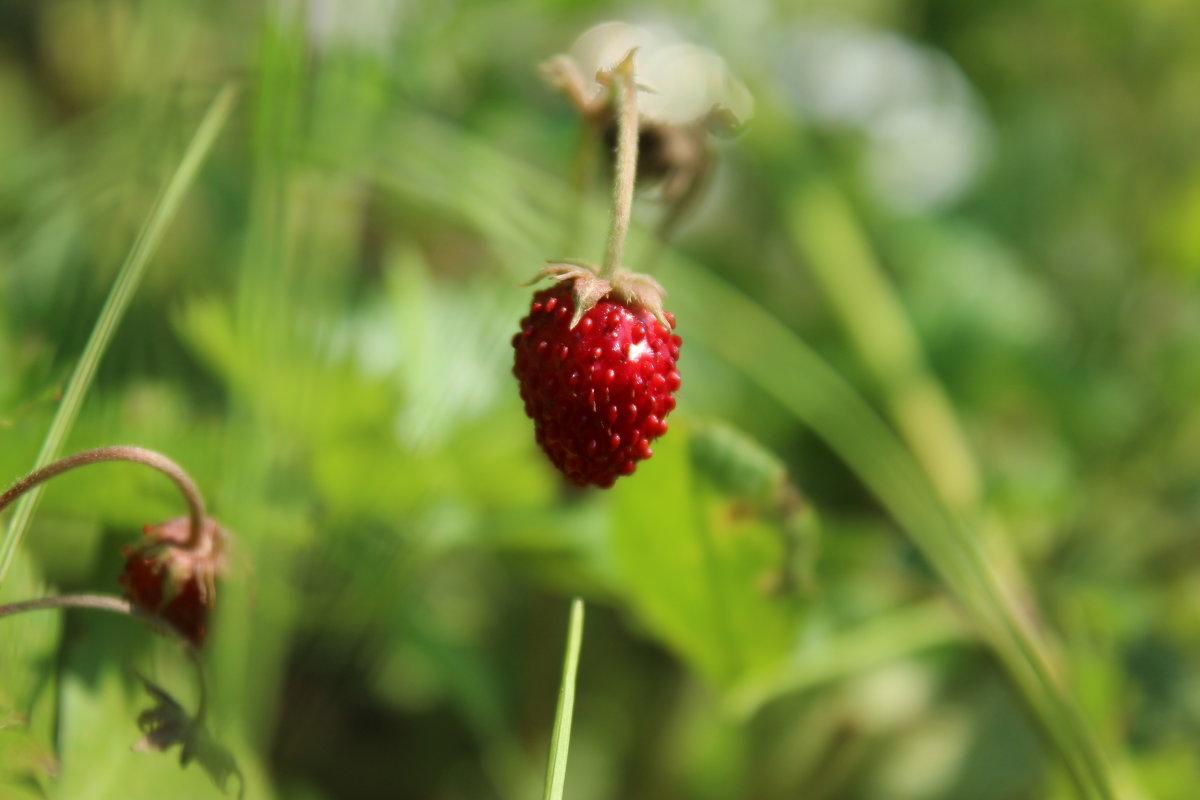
(117, 605)
(139, 455)
(625, 173)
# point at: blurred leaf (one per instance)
(98, 709)
(697, 571)
(28, 650)
(168, 724)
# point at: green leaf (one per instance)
(100, 703)
(28, 650)
(698, 571)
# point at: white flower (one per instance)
(924, 130)
(685, 81)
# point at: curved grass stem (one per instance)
(825, 230)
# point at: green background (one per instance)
(946, 278)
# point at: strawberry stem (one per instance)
(118, 605)
(139, 455)
(625, 173)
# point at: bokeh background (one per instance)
(952, 259)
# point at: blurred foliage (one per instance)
(982, 215)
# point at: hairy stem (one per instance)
(117, 605)
(139, 455)
(625, 173)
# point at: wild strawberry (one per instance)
(598, 391)
(595, 358)
(188, 611)
(174, 581)
(142, 579)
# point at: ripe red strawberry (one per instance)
(598, 391)
(596, 357)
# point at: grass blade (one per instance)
(560, 740)
(126, 283)
(889, 638)
(836, 250)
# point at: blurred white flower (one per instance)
(686, 81)
(688, 94)
(923, 126)
(362, 24)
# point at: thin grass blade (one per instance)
(115, 306)
(560, 740)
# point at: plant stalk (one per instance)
(138, 455)
(625, 172)
(560, 739)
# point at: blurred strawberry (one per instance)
(175, 579)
